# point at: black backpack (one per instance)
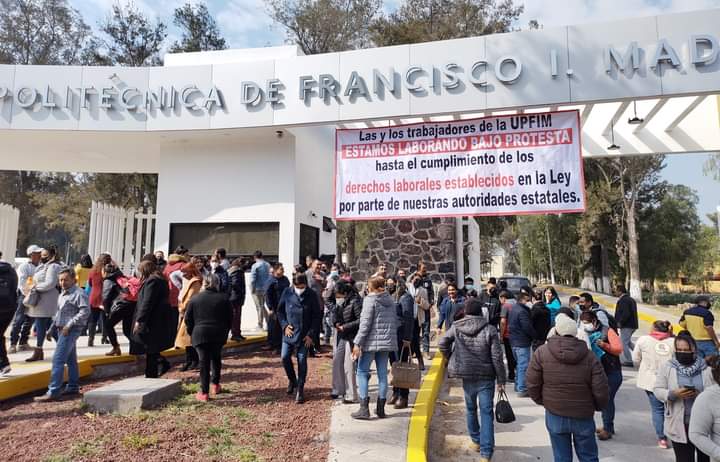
(8, 287)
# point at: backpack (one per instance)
(612, 323)
(8, 287)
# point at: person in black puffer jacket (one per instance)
(348, 306)
(406, 315)
(476, 356)
(541, 320)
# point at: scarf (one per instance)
(412, 290)
(660, 335)
(689, 371)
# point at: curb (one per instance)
(423, 410)
(13, 387)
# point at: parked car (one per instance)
(514, 283)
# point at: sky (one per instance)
(245, 24)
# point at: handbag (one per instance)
(405, 374)
(503, 411)
(31, 299)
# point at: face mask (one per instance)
(333, 274)
(391, 289)
(44, 259)
(686, 358)
(340, 301)
(587, 326)
(469, 286)
(299, 292)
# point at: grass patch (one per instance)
(267, 438)
(227, 450)
(136, 441)
(242, 414)
(265, 399)
(219, 432)
(190, 388)
(87, 448)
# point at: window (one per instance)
(239, 239)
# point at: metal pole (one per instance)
(547, 234)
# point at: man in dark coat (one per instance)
(522, 335)
(626, 317)
(152, 322)
(299, 315)
(236, 275)
(541, 319)
(278, 284)
(8, 305)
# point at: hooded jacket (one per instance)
(378, 324)
(237, 285)
(566, 378)
(474, 349)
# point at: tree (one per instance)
(42, 32)
(131, 39)
(323, 26)
(712, 166)
(199, 30)
(427, 20)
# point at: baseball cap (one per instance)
(33, 249)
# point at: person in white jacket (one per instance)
(704, 431)
(652, 351)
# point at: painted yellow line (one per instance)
(423, 409)
(14, 386)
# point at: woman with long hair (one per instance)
(552, 302)
(679, 381)
(95, 283)
(82, 271)
(652, 351)
(151, 324)
(191, 287)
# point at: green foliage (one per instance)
(242, 414)
(130, 38)
(137, 441)
(199, 30)
(677, 298)
(42, 32)
(426, 20)
(323, 26)
(712, 166)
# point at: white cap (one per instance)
(33, 249)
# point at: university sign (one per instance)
(568, 65)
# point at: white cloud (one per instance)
(568, 12)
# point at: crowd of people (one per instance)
(567, 358)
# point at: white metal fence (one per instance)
(9, 221)
(126, 234)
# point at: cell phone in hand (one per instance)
(690, 387)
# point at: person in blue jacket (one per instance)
(522, 334)
(552, 302)
(450, 307)
(299, 316)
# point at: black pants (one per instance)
(274, 331)
(6, 317)
(511, 363)
(210, 355)
(123, 313)
(152, 361)
(687, 452)
(191, 355)
(96, 316)
(415, 343)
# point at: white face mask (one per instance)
(587, 326)
(339, 301)
(299, 292)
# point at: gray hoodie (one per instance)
(474, 350)
(704, 429)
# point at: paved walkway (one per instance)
(526, 439)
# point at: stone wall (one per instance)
(405, 243)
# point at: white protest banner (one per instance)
(501, 165)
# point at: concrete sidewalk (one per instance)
(376, 440)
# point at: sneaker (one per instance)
(215, 389)
(663, 443)
(475, 447)
(5, 370)
(604, 435)
(484, 459)
(70, 392)
(237, 338)
(46, 398)
(202, 397)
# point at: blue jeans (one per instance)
(706, 348)
(41, 327)
(286, 356)
(568, 431)
(65, 353)
(482, 433)
(658, 415)
(363, 373)
(608, 414)
(522, 358)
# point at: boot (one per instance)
(300, 397)
(402, 403)
(394, 398)
(291, 388)
(421, 363)
(186, 366)
(36, 356)
(364, 412)
(91, 341)
(380, 408)
(114, 352)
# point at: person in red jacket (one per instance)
(95, 282)
(175, 263)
